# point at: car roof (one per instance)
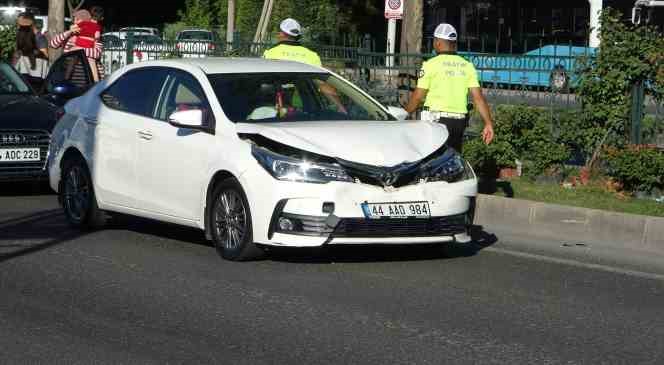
(117, 34)
(222, 65)
(150, 28)
(195, 30)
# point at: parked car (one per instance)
(195, 43)
(258, 153)
(146, 47)
(148, 30)
(550, 66)
(27, 119)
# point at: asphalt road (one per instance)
(142, 292)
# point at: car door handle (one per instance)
(91, 120)
(146, 135)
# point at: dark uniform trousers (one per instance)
(455, 127)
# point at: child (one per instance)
(87, 37)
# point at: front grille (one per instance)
(24, 139)
(393, 227)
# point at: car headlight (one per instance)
(290, 169)
(449, 166)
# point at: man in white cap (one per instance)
(444, 84)
(289, 47)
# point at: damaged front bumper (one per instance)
(320, 214)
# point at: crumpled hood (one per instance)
(366, 142)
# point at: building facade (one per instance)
(518, 25)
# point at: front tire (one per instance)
(78, 197)
(230, 221)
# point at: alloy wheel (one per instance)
(77, 193)
(230, 217)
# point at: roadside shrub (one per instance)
(651, 129)
(531, 135)
(488, 159)
(7, 43)
(636, 167)
(576, 130)
(543, 151)
(512, 123)
(627, 54)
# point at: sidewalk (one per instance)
(572, 224)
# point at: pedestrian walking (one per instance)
(289, 46)
(444, 83)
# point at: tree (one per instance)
(230, 21)
(74, 5)
(197, 13)
(627, 55)
(56, 23)
(411, 27)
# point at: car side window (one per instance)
(71, 68)
(182, 92)
(135, 92)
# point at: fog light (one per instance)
(328, 207)
(286, 224)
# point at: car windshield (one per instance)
(282, 97)
(195, 36)
(11, 82)
(147, 39)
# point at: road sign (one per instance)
(394, 9)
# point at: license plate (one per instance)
(19, 154)
(397, 210)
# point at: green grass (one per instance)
(593, 197)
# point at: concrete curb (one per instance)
(571, 224)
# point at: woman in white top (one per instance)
(28, 59)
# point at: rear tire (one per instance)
(558, 79)
(77, 195)
(230, 222)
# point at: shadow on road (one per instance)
(31, 188)
(34, 232)
(328, 254)
(38, 231)
(156, 228)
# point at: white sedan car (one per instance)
(257, 153)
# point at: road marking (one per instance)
(576, 263)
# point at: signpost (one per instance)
(393, 11)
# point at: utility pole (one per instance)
(595, 12)
(230, 25)
(56, 23)
(411, 27)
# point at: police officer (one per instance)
(289, 47)
(443, 85)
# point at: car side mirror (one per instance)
(399, 113)
(191, 119)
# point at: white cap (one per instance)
(291, 27)
(445, 31)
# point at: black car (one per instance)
(28, 117)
